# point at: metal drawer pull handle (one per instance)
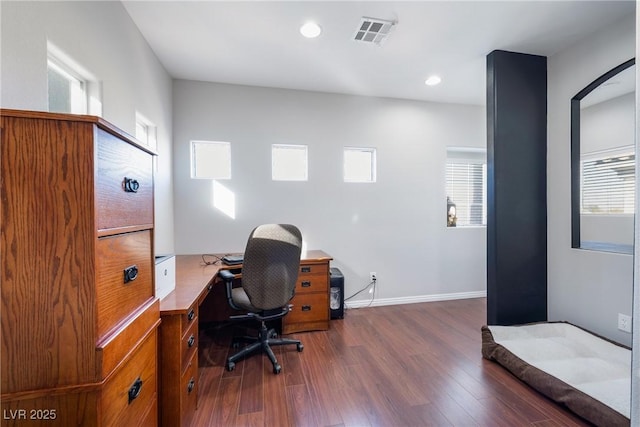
(305, 269)
(306, 284)
(134, 391)
(191, 341)
(306, 308)
(130, 185)
(191, 315)
(130, 273)
(191, 385)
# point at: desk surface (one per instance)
(193, 277)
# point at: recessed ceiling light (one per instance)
(310, 30)
(433, 80)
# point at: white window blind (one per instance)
(289, 162)
(466, 184)
(210, 160)
(608, 183)
(359, 164)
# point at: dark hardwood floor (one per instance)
(403, 365)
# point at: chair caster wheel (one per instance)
(273, 334)
(299, 347)
(231, 366)
(277, 368)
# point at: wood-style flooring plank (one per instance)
(404, 365)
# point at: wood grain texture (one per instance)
(47, 241)
(60, 357)
(178, 367)
(189, 390)
(115, 207)
(310, 304)
(115, 298)
(118, 409)
(403, 365)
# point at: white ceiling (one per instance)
(258, 42)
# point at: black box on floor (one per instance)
(336, 295)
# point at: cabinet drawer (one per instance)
(127, 395)
(309, 308)
(124, 184)
(118, 295)
(189, 391)
(307, 270)
(189, 344)
(189, 318)
(118, 344)
(151, 419)
(316, 282)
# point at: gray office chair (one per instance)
(268, 279)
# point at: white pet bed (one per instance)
(588, 374)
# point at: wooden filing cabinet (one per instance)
(79, 315)
(310, 309)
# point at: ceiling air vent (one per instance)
(373, 30)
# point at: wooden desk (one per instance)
(180, 313)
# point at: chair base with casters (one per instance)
(267, 337)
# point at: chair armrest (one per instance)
(227, 276)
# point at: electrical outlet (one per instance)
(372, 276)
(624, 322)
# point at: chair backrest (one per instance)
(271, 264)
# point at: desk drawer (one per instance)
(309, 308)
(189, 391)
(120, 204)
(117, 295)
(307, 270)
(316, 282)
(189, 344)
(127, 395)
(189, 318)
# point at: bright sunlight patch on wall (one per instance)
(224, 200)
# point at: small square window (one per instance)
(210, 160)
(66, 91)
(359, 164)
(289, 162)
(70, 87)
(145, 131)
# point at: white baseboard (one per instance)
(412, 300)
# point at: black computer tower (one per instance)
(336, 296)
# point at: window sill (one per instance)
(618, 248)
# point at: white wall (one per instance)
(103, 39)
(588, 288)
(635, 364)
(395, 227)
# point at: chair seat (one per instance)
(241, 299)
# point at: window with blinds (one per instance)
(289, 162)
(210, 160)
(608, 183)
(466, 186)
